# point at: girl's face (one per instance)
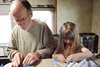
(68, 34)
(69, 37)
(68, 41)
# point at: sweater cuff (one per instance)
(11, 55)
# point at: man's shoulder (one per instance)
(41, 23)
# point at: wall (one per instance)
(96, 19)
(77, 11)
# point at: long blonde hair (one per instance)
(68, 30)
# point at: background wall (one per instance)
(96, 19)
(77, 11)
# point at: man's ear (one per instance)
(30, 13)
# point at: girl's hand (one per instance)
(72, 57)
(60, 57)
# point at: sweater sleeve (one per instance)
(12, 46)
(49, 43)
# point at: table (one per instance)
(48, 63)
(41, 63)
(45, 63)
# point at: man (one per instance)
(31, 39)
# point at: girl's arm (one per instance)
(80, 56)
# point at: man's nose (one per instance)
(19, 23)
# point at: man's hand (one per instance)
(31, 58)
(17, 60)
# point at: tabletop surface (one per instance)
(50, 63)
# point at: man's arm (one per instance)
(12, 46)
(49, 43)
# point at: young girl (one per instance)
(69, 47)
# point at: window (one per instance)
(5, 29)
(6, 24)
(45, 16)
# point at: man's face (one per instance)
(22, 18)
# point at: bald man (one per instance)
(31, 39)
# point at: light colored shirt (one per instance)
(37, 38)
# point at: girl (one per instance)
(69, 47)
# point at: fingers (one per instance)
(17, 60)
(60, 57)
(21, 58)
(30, 58)
(71, 58)
(14, 64)
(31, 61)
(26, 59)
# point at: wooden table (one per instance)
(42, 63)
(45, 63)
(49, 63)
